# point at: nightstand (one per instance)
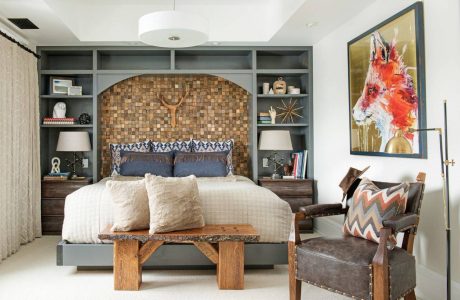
(296, 192)
(53, 200)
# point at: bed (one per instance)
(225, 200)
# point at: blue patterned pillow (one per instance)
(200, 164)
(115, 152)
(216, 146)
(184, 146)
(141, 163)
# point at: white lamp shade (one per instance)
(173, 29)
(73, 141)
(275, 140)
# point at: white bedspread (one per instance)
(229, 200)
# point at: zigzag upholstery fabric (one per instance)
(370, 206)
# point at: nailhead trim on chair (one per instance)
(371, 276)
(330, 289)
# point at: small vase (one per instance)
(265, 88)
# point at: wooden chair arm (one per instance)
(323, 210)
(294, 235)
(380, 267)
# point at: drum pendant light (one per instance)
(173, 29)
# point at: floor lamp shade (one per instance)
(275, 140)
(73, 141)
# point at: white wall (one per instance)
(332, 158)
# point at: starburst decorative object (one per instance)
(289, 111)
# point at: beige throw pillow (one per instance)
(174, 203)
(130, 205)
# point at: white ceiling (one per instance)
(232, 22)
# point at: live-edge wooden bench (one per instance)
(222, 244)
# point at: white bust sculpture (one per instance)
(59, 110)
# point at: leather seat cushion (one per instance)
(344, 265)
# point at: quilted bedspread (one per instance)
(227, 200)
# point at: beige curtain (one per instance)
(19, 148)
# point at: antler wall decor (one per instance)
(173, 107)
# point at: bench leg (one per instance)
(230, 269)
(127, 271)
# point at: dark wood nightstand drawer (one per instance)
(55, 189)
(297, 202)
(52, 224)
(286, 187)
(53, 207)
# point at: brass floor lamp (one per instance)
(445, 163)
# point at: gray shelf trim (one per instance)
(177, 71)
(282, 96)
(66, 97)
(282, 71)
(284, 125)
(67, 125)
(67, 72)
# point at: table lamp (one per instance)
(275, 140)
(73, 141)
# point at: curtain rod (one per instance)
(19, 44)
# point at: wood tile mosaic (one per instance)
(215, 109)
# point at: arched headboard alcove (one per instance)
(215, 109)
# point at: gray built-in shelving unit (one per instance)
(97, 68)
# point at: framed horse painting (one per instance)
(386, 78)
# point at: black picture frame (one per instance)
(420, 68)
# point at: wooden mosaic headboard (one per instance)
(215, 109)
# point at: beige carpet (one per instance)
(32, 274)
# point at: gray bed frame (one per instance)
(168, 256)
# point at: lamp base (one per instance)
(276, 176)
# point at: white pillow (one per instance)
(130, 205)
(174, 203)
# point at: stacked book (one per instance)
(299, 162)
(56, 176)
(264, 118)
(59, 121)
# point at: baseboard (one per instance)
(430, 284)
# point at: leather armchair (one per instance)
(356, 267)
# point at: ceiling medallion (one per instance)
(173, 29)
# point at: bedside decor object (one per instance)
(445, 163)
(289, 111)
(295, 91)
(58, 121)
(59, 110)
(275, 140)
(387, 87)
(73, 141)
(265, 88)
(290, 88)
(264, 118)
(271, 92)
(279, 86)
(272, 113)
(287, 168)
(60, 85)
(84, 119)
(173, 107)
(75, 90)
(55, 163)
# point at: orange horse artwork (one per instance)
(384, 100)
(388, 98)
